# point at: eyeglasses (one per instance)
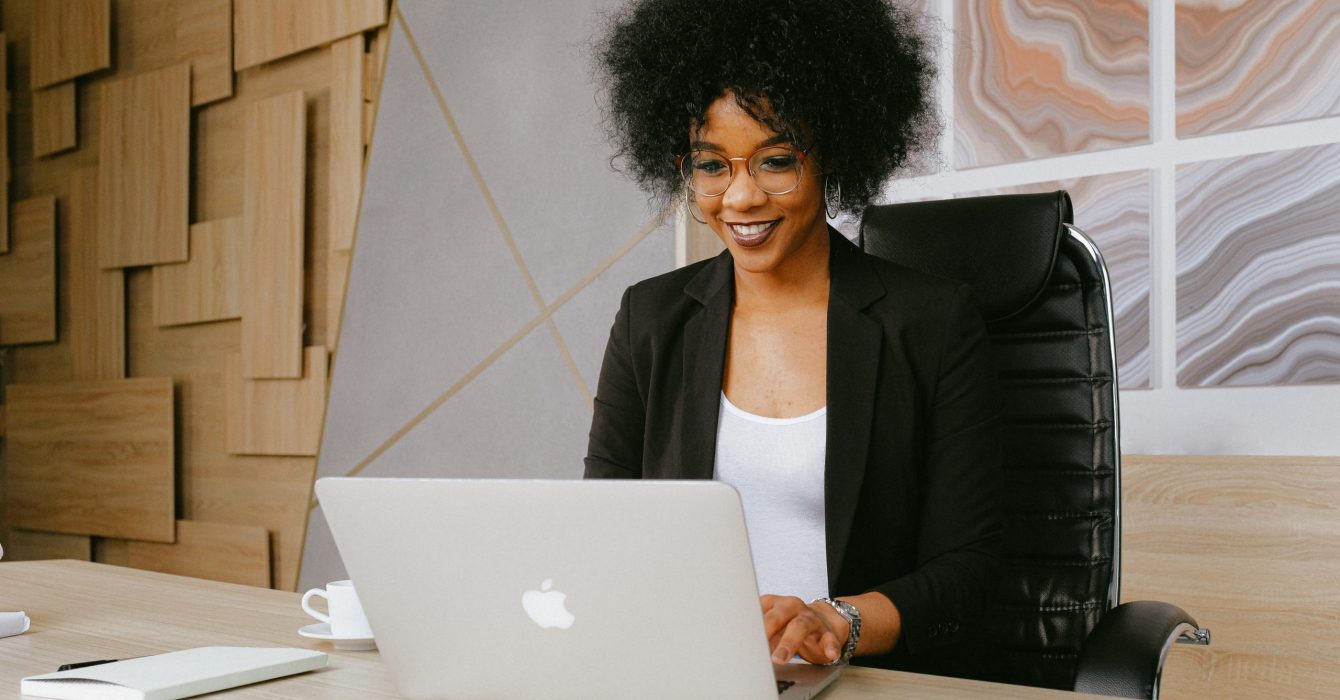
(775, 169)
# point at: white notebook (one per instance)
(178, 674)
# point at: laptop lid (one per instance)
(554, 589)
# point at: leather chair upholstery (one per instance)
(1043, 289)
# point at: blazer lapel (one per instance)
(705, 337)
(853, 365)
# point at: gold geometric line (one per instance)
(587, 399)
(609, 261)
(492, 357)
(492, 204)
(450, 392)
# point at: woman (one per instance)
(851, 401)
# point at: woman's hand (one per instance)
(815, 631)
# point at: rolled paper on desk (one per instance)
(12, 623)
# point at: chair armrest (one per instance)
(1123, 656)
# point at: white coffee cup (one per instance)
(346, 616)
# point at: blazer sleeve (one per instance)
(614, 449)
(960, 529)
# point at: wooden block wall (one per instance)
(346, 138)
(270, 29)
(92, 458)
(143, 168)
(28, 274)
(272, 226)
(171, 65)
(4, 144)
(277, 416)
(30, 545)
(232, 553)
(1248, 547)
(203, 37)
(72, 37)
(97, 307)
(208, 287)
(340, 255)
(53, 119)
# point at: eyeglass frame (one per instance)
(803, 154)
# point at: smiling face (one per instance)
(778, 234)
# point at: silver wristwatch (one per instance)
(853, 618)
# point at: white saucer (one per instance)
(321, 630)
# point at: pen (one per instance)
(85, 664)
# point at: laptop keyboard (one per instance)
(783, 685)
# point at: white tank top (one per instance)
(777, 465)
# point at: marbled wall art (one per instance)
(1037, 78)
(1113, 210)
(1258, 269)
(1248, 64)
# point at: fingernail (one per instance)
(781, 656)
(832, 652)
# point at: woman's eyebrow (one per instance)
(709, 146)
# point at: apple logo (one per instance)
(545, 607)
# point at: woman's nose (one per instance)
(743, 193)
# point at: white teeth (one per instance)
(752, 229)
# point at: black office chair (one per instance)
(1043, 289)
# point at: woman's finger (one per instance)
(783, 609)
(821, 648)
(793, 638)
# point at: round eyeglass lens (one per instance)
(776, 170)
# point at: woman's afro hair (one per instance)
(851, 78)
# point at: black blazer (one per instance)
(913, 456)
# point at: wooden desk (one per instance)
(82, 611)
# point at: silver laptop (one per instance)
(560, 589)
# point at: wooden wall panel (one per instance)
(54, 119)
(272, 492)
(273, 223)
(5, 163)
(109, 551)
(208, 287)
(264, 30)
(1250, 547)
(30, 545)
(218, 551)
(92, 458)
(226, 489)
(337, 280)
(214, 486)
(28, 274)
(374, 69)
(144, 168)
(204, 38)
(97, 297)
(70, 38)
(346, 139)
(277, 416)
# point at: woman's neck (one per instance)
(804, 279)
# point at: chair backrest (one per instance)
(1043, 289)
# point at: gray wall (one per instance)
(493, 245)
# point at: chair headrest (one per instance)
(1003, 246)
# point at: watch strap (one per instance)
(853, 618)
